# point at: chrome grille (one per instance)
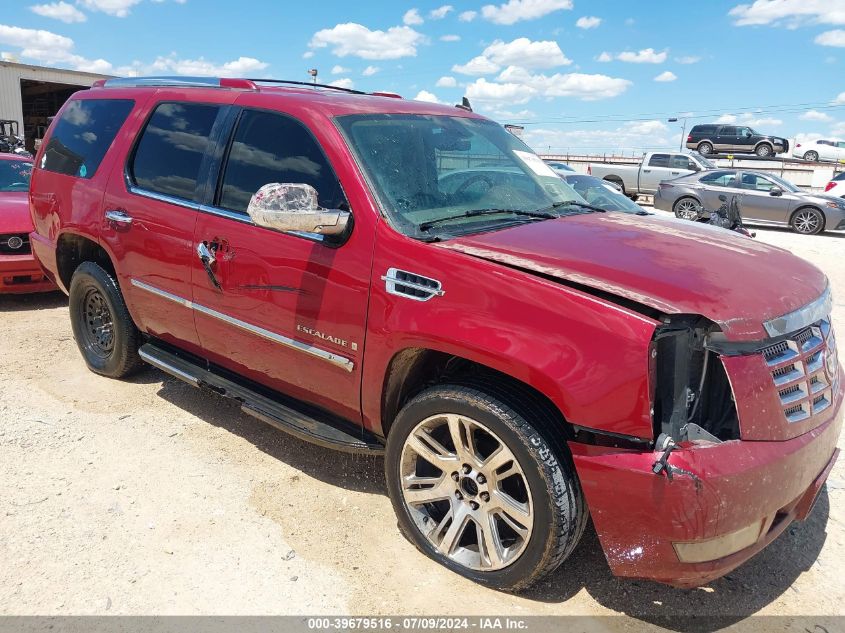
(804, 369)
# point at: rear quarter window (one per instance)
(83, 134)
(171, 148)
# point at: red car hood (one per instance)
(674, 266)
(14, 212)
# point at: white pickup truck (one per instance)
(644, 177)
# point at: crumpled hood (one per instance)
(674, 266)
(14, 212)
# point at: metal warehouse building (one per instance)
(30, 95)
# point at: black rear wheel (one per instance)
(705, 149)
(102, 326)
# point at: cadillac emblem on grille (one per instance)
(804, 369)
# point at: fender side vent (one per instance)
(410, 285)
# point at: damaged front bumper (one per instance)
(728, 500)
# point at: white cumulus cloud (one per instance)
(425, 95)
(521, 51)
(344, 82)
(790, 13)
(369, 71)
(116, 8)
(835, 37)
(468, 16)
(441, 12)
(63, 11)
(840, 99)
(688, 59)
(412, 17)
(518, 85)
(666, 76)
(517, 10)
(815, 115)
(588, 22)
(446, 82)
(477, 66)
(337, 69)
(450, 38)
(356, 40)
(645, 56)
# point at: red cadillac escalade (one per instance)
(382, 275)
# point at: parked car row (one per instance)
(820, 150)
(707, 139)
(644, 177)
(765, 199)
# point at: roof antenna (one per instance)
(464, 105)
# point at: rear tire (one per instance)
(764, 150)
(705, 149)
(811, 156)
(807, 221)
(497, 504)
(687, 208)
(102, 326)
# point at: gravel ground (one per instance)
(151, 497)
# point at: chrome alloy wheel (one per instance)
(466, 492)
(806, 222)
(686, 209)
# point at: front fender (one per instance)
(589, 356)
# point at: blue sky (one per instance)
(581, 76)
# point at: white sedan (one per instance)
(820, 150)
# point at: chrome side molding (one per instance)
(335, 359)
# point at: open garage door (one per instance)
(41, 101)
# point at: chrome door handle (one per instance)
(205, 254)
(118, 217)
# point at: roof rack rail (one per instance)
(308, 84)
(178, 82)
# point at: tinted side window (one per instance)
(680, 161)
(659, 160)
(703, 129)
(171, 148)
(270, 147)
(83, 134)
(728, 130)
(719, 178)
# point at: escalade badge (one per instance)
(326, 337)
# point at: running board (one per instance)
(283, 413)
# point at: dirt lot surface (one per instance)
(150, 496)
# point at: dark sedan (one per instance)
(764, 198)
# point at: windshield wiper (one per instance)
(573, 203)
(542, 213)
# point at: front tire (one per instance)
(705, 149)
(807, 221)
(480, 490)
(764, 150)
(811, 156)
(102, 326)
